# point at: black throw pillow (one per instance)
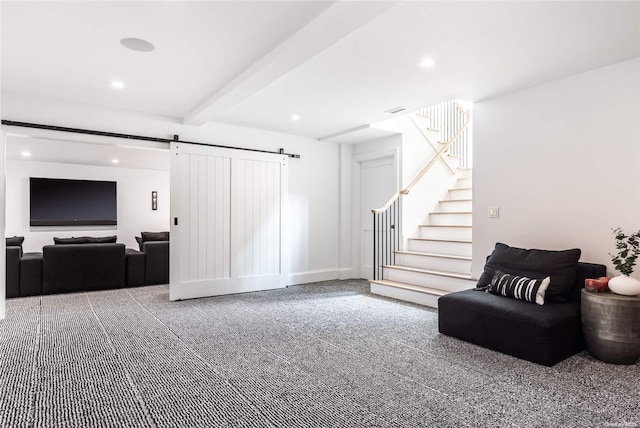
(70, 241)
(15, 241)
(102, 239)
(139, 241)
(560, 266)
(86, 240)
(154, 236)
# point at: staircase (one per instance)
(437, 260)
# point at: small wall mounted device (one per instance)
(154, 200)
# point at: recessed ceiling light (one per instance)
(26, 154)
(295, 117)
(137, 45)
(116, 84)
(115, 161)
(427, 62)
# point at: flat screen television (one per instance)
(59, 202)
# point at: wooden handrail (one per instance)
(428, 166)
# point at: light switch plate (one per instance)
(494, 212)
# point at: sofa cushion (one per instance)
(12, 270)
(560, 266)
(519, 287)
(135, 264)
(82, 267)
(31, 274)
(543, 334)
(156, 262)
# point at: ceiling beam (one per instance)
(330, 26)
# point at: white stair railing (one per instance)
(447, 118)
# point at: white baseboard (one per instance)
(424, 299)
(312, 276)
(346, 273)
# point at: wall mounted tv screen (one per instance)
(58, 202)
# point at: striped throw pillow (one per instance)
(519, 287)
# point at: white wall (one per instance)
(313, 179)
(416, 153)
(385, 147)
(134, 202)
(562, 161)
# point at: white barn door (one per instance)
(227, 216)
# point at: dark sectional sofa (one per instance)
(85, 264)
(544, 334)
(23, 270)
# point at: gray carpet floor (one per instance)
(320, 355)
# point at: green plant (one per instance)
(628, 251)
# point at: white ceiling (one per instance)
(339, 65)
(151, 156)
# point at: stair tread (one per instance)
(445, 225)
(411, 287)
(452, 212)
(456, 200)
(441, 256)
(429, 271)
(458, 241)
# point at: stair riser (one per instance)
(464, 173)
(463, 182)
(434, 263)
(405, 295)
(454, 233)
(451, 219)
(429, 280)
(440, 247)
(454, 206)
(453, 162)
(459, 194)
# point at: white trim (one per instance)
(313, 276)
(346, 273)
(424, 299)
(345, 209)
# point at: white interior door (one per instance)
(227, 212)
(377, 185)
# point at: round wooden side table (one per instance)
(611, 326)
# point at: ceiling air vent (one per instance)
(395, 110)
